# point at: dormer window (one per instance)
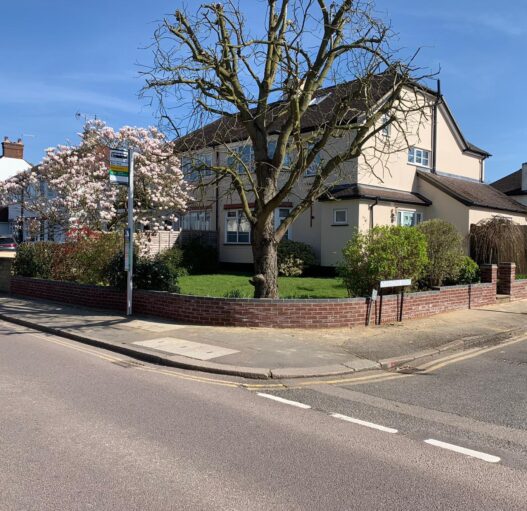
(419, 157)
(318, 99)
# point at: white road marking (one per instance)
(463, 450)
(364, 423)
(282, 400)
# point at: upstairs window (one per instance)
(419, 157)
(313, 169)
(196, 167)
(241, 159)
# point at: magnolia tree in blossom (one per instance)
(71, 187)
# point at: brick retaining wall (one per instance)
(323, 313)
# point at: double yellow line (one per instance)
(426, 368)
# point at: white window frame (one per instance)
(340, 210)
(239, 215)
(418, 156)
(190, 165)
(417, 214)
(278, 220)
(240, 161)
(191, 220)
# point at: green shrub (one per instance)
(155, 274)
(294, 258)
(34, 260)
(173, 257)
(92, 255)
(469, 272)
(445, 251)
(150, 273)
(199, 257)
(384, 253)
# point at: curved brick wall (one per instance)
(261, 313)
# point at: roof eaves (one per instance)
(468, 202)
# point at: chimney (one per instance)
(13, 149)
(524, 177)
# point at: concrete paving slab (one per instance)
(186, 348)
(152, 326)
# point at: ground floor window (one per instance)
(237, 227)
(279, 215)
(340, 216)
(408, 218)
(198, 220)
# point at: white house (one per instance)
(12, 162)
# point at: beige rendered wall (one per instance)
(389, 167)
(477, 215)
(445, 207)
(334, 237)
(450, 156)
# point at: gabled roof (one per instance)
(231, 129)
(359, 191)
(228, 129)
(511, 184)
(473, 193)
(465, 144)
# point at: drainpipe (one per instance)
(217, 201)
(370, 207)
(434, 127)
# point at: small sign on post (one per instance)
(119, 166)
(390, 284)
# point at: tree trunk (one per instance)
(264, 246)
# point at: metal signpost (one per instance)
(122, 173)
(388, 284)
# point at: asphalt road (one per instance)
(82, 428)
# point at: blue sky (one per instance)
(62, 57)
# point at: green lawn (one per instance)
(289, 287)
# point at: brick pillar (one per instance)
(506, 278)
(489, 273)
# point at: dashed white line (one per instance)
(463, 450)
(282, 400)
(363, 423)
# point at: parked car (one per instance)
(7, 243)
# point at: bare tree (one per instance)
(318, 72)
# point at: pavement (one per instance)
(265, 353)
(83, 428)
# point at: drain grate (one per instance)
(407, 369)
(126, 363)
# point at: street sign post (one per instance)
(391, 284)
(130, 272)
(121, 172)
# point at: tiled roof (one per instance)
(473, 193)
(359, 191)
(231, 129)
(511, 184)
